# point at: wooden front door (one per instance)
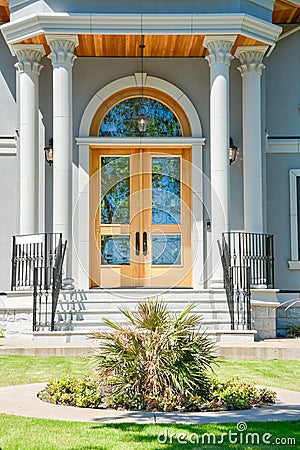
(140, 217)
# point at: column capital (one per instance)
(251, 59)
(29, 56)
(62, 49)
(219, 48)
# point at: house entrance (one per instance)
(141, 217)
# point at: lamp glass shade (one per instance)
(142, 124)
(232, 151)
(49, 153)
(232, 154)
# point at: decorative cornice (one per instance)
(251, 59)
(219, 49)
(29, 56)
(192, 24)
(145, 141)
(62, 49)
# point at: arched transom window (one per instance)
(122, 119)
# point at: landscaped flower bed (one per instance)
(161, 362)
(90, 393)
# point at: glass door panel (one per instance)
(166, 250)
(115, 190)
(141, 238)
(166, 208)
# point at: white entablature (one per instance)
(130, 24)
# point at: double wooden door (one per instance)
(140, 217)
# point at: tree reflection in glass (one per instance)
(166, 190)
(122, 119)
(115, 190)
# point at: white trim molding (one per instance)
(137, 141)
(294, 263)
(283, 145)
(8, 145)
(133, 81)
(191, 24)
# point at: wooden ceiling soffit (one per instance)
(127, 46)
(286, 12)
(4, 11)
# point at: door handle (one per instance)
(137, 243)
(144, 243)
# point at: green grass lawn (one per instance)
(274, 373)
(34, 369)
(17, 433)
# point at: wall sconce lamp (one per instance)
(49, 152)
(232, 151)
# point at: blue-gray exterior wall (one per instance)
(9, 166)
(282, 119)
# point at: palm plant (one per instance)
(159, 354)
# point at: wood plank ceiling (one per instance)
(163, 46)
(4, 11)
(156, 46)
(286, 12)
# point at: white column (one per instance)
(62, 57)
(29, 67)
(219, 59)
(251, 69)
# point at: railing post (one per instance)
(249, 311)
(270, 260)
(14, 264)
(35, 287)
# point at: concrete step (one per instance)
(140, 294)
(108, 304)
(95, 314)
(69, 336)
(92, 326)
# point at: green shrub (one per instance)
(234, 394)
(2, 334)
(160, 355)
(293, 331)
(86, 392)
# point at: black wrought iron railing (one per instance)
(223, 249)
(240, 281)
(46, 289)
(237, 286)
(29, 252)
(253, 250)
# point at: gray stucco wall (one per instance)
(8, 109)
(283, 88)
(282, 119)
(9, 172)
(278, 215)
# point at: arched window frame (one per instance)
(161, 119)
(155, 94)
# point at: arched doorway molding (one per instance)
(86, 139)
(133, 81)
